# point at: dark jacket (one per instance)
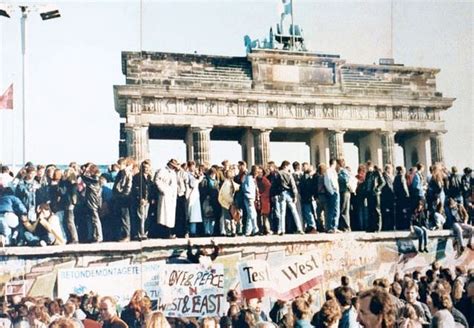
(93, 195)
(122, 185)
(69, 193)
(141, 187)
(307, 188)
(129, 316)
(374, 183)
(56, 198)
(275, 181)
(388, 195)
(454, 186)
(400, 188)
(419, 219)
(26, 192)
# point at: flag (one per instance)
(6, 100)
(286, 7)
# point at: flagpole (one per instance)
(24, 16)
(292, 28)
(141, 26)
(391, 29)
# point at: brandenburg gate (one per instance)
(280, 95)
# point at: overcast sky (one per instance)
(74, 61)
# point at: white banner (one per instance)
(181, 290)
(287, 281)
(297, 275)
(192, 290)
(255, 280)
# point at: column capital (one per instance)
(337, 130)
(438, 133)
(136, 125)
(196, 128)
(387, 132)
(262, 130)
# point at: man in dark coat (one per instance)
(374, 185)
(387, 200)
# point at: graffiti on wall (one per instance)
(362, 261)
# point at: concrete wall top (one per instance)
(166, 244)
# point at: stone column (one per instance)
(136, 137)
(437, 152)
(371, 147)
(189, 145)
(416, 150)
(247, 144)
(201, 139)
(319, 148)
(336, 144)
(388, 147)
(261, 143)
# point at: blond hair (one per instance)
(157, 320)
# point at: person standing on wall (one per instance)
(287, 197)
(387, 200)
(374, 184)
(343, 178)
(402, 199)
(250, 194)
(332, 187)
(93, 202)
(140, 201)
(121, 197)
(166, 182)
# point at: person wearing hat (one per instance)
(166, 182)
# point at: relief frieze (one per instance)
(243, 108)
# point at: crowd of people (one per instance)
(44, 205)
(439, 298)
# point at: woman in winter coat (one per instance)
(263, 204)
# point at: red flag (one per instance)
(6, 101)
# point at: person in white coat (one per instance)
(166, 182)
(194, 215)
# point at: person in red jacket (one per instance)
(262, 203)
